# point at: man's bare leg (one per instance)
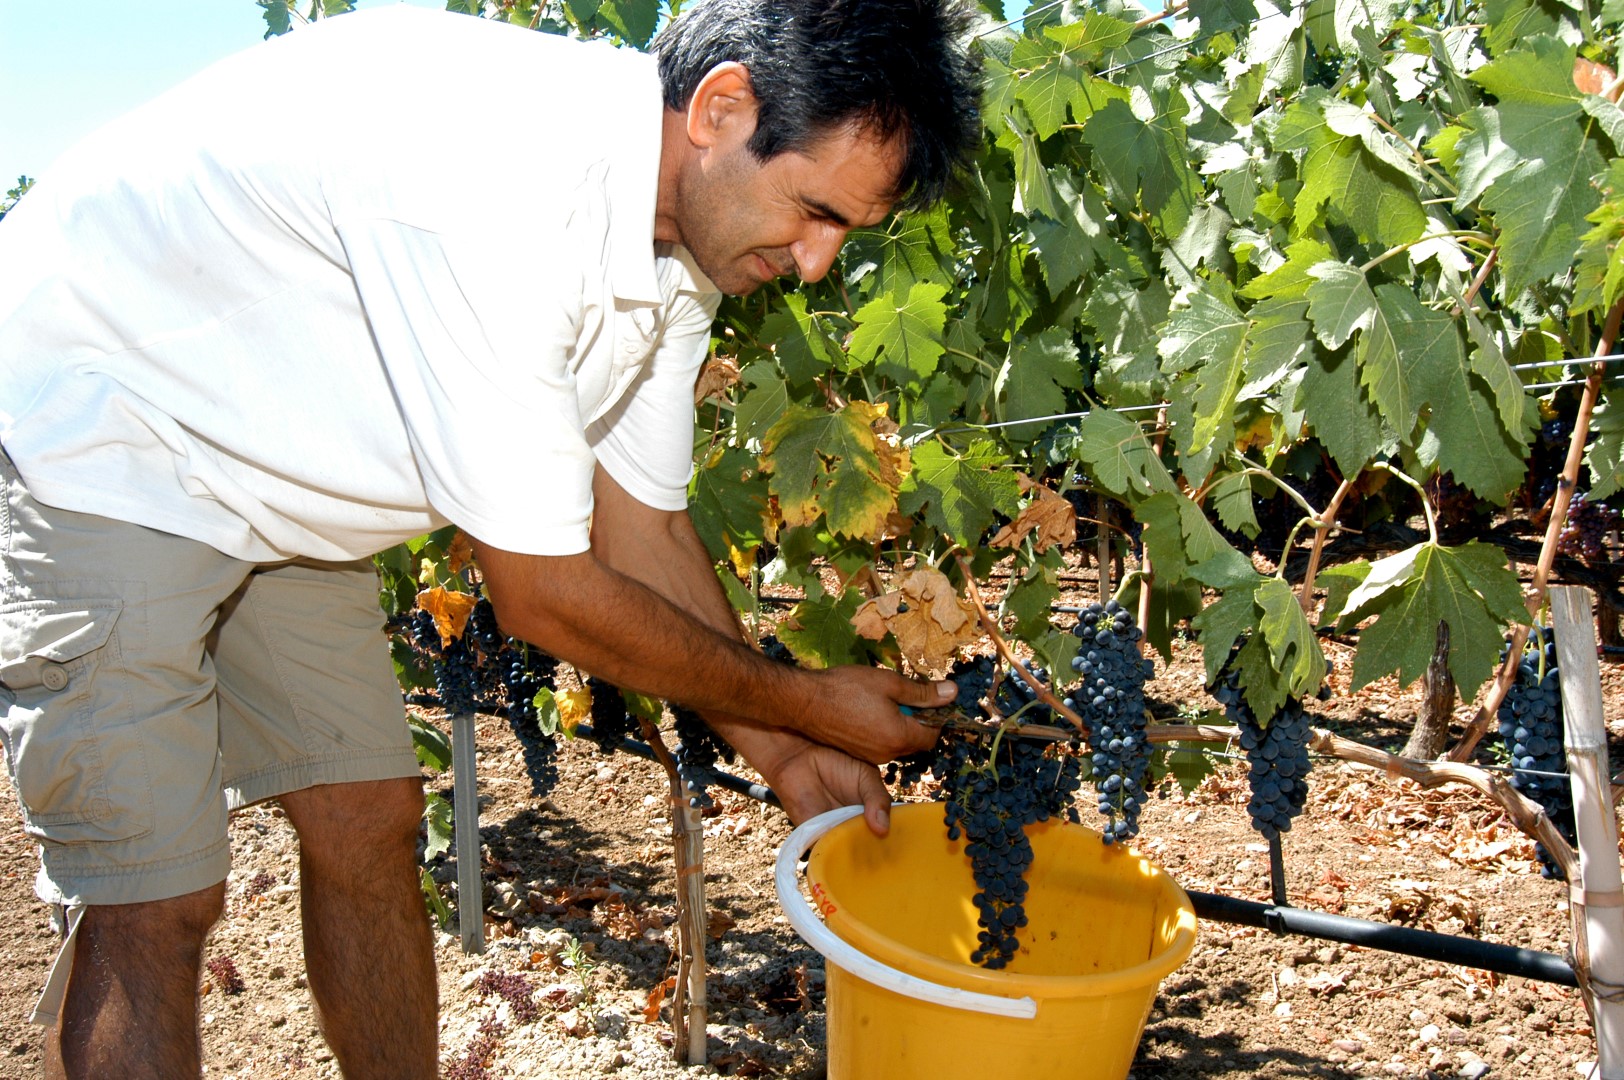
(369, 953)
(131, 1006)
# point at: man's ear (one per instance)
(722, 110)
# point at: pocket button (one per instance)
(54, 677)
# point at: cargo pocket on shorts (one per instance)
(58, 663)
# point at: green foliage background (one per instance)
(1334, 236)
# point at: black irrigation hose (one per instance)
(1407, 941)
(1283, 919)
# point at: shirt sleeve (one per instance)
(476, 335)
(646, 441)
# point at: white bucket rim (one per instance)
(843, 954)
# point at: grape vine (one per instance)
(1531, 731)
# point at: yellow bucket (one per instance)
(898, 925)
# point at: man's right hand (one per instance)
(856, 710)
(581, 609)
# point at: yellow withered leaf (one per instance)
(574, 708)
(460, 554)
(450, 611)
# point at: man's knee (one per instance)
(344, 820)
(180, 922)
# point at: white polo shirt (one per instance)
(387, 272)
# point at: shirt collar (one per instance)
(633, 184)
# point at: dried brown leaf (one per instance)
(1049, 519)
(926, 615)
(718, 376)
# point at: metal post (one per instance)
(1599, 893)
(465, 830)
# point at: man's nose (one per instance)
(815, 253)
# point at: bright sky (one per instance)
(66, 69)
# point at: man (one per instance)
(338, 290)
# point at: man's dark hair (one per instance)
(893, 68)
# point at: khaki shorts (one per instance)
(150, 684)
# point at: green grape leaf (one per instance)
(905, 250)
(278, 20)
(1126, 317)
(960, 495)
(801, 342)
(1045, 81)
(1294, 650)
(1489, 363)
(1511, 22)
(1281, 339)
(1204, 242)
(1605, 456)
(437, 820)
(1171, 604)
(1055, 649)
(1340, 302)
(433, 746)
(1119, 457)
(1030, 600)
(830, 464)
(1091, 36)
(1181, 541)
(1340, 414)
(1341, 174)
(1145, 163)
(763, 402)
(726, 498)
(1472, 444)
(632, 20)
(1265, 688)
(1291, 278)
(1609, 115)
(907, 331)
(1032, 379)
(1209, 336)
(1350, 121)
(1600, 270)
(1078, 242)
(1231, 499)
(819, 632)
(1188, 762)
(1217, 15)
(1470, 587)
(1334, 24)
(1541, 208)
(738, 593)
(1541, 202)
(1226, 620)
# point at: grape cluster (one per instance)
(455, 665)
(1531, 726)
(483, 669)
(994, 787)
(611, 721)
(1111, 701)
(1277, 754)
(525, 671)
(698, 749)
(1546, 458)
(1584, 534)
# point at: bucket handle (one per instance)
(847, 956)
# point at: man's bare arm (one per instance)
(669, 632)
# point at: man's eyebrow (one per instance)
(824, 210)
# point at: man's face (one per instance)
(746, 222)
